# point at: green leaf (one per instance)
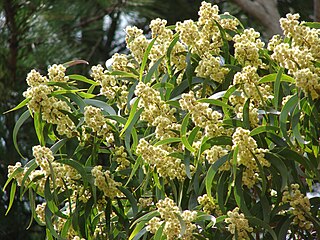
(145, 58)
(82, 79)
(49, 225)
(146, 217)
(77, 166)
(132, 113)
(238, 195)
(214, 102)
(12, 195)
(287, 108)
(283, 232)
(280, 166)
(276, 87)
(273, 76)
(184, 125)
(186, 143)
(20, 105)
(183, 132)
(136, 230)
(158, 234)
(211, 173)
(16, 129)
(86, 95)
(246, 112)
(152, 70)
(205, 217)
(296, 126)
(124, 74)
(134, 169)
(131, 199)
(312, 24)
(167, 141)
(55, 147)
(259, 223)
(39, 125)
(262, 129)
(97, 103)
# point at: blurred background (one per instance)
(39, 33)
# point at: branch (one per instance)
(264, 11)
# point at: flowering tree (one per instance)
(201, 132)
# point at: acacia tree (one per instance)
(200, 132)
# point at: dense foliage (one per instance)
(200, 132)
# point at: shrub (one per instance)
(200, 132)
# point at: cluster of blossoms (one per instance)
(247, 81)
(120, 156)
(158, 157)
(169, 217)
(51, 108)
(156, 112)
(210, 66)
(137, 43)
(208, 206)
(299, 56)
(238, 224)
(247, 46)
(203, 116)
(95, 120)
(248, 154)
(109, 85)
(105, 183)
(300, 206)
(145, 202)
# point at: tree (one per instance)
(199, 131)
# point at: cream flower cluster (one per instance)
(157, 157)
(210, 67)
(299, 56)
(50, 107)
(209, 206)
(137, 43)
(248, 80)
(121, 157)
(34, 78)
(40, 211)
(169, 213)
(43, 157)
(19, 176)
(145, 202)
(202, 115)
(247, 46)
(156, 112)
(247, 147)
(107, 82)
(164, 36)
(204, 37)
(300, 206)
(238, 224)
(119, 62)
(103, 180)
(159, 30)
(95, 120)
(56, 73)
(214, 153)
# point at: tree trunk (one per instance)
(264, 11)
(316, 10)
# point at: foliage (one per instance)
(199, 133)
